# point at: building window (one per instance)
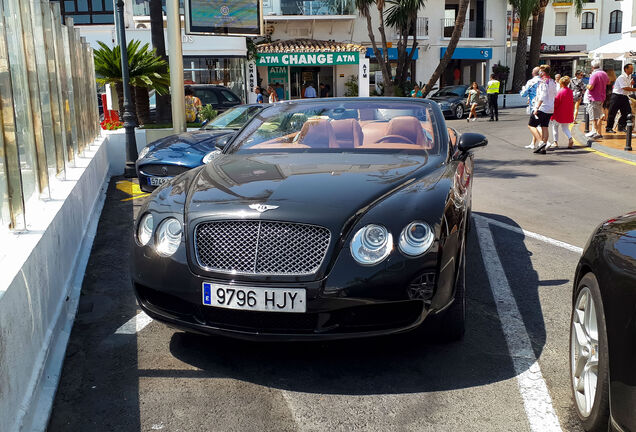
(142, 7)
(561, 26)
(616, 21)
(88, 11)
(587, 20)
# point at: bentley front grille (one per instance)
(260, 247)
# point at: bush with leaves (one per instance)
(352, 86)
(207, 113)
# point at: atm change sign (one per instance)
(308, 59)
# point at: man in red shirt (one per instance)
(596, 90)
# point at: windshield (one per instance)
(451, 91)
(233, 118)
(337, 126)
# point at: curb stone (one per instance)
(580, 137)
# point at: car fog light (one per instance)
(144, 231)
(371, 244)
(416, 238)
(168, 237)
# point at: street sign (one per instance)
(224, 17)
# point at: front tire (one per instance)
(589, 356)
(452, 324)
(459, 112)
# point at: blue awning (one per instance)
(464, 53)
(393, 53)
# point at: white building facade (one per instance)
(568, 37)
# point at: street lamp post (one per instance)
(129, 117)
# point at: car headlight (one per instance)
(168, 237)
(208, 157)
(144, 151)
(444, 105)
(416, 238)
(144, 231)
(371, 244)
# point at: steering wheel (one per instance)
(395, 139)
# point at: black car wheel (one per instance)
(452, 324)
(487, 110)
(459, 112)
(589, 356)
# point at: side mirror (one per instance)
(469, 141)
(222, 142)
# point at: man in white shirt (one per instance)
(543, 108)
(530, 91)
(623, 86)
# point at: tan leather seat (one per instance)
(348, 133)
(317, 133)
(408, 127)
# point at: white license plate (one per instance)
(158, 181)
(254, 298)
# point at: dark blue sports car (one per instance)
(163, 159)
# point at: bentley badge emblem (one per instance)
(262, 207)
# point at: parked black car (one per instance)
(333, 218)
(168, 157)
(603, 328)
(452, 101)
(221, 98)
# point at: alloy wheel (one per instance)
(584, 352)
(459, 112)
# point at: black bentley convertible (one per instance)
(320, 219)
(603, 328)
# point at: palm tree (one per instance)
(538, 15)
(147, 71)
(364, 9)
(443, 63)
(164, 113)
(524, 8)
(402, 16)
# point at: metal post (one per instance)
(129, 117)
(587, 120)
(628, 131)
(175, 61)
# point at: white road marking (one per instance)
(530, 234)
(135, 324)
(536, 398)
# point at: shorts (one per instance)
(542, 119)
(595, 109)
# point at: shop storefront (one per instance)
(564, 59)
(296, 64)
(467, 65)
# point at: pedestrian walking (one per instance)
(493, 94)
(325, 89)
(578, 90)
(620, 101)
(529, 90)
(280, 91)
(192, 106)
(611, 75)
(471, 101)
(310, 91)
(259, 95)
(543, 109)
(596, 96)
(273, 96)
(563, 112)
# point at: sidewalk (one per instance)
(612, 144)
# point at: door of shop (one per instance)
(300, 77)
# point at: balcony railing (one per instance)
(472, 29)
(421, 30)
(560, 30)
(313, 7)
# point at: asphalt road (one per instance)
(509, 373)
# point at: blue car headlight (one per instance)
(371, 244)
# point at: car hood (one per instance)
(321, 188)
(449, 99)
(184, 149)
